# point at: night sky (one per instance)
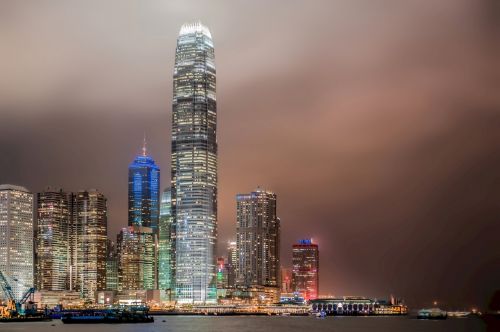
(376, 123)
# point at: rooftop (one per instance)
(13, 187)
(188, 28)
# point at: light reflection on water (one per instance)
(255, 324)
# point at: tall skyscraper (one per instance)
(143, 191)
(257, 239)
(194, 165)
(16, 238)
(88, 240)
(136, 254)
(165, 243)
(52, 240)
(137, 243)
(305, 272)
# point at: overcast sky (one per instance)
(377, 124)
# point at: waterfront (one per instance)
(274, 323)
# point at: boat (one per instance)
(109, 316)
(432, 313)
(458, 314)
(25, 319)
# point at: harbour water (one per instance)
(256, 324)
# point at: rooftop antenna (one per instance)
(144, 146)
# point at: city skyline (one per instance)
(385, 153)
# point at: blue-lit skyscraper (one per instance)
(194, 165)
(143, 191)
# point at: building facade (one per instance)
(52, 240)
(143, 191)
(194, 165)
(16, 238)
(136, 254)
(286, 280)
(111, 266)
(166, 252)
(305, 272)
(257, 239)
(88, 240)
(231, 262)
(221, 273)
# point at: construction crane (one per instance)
(13, 308)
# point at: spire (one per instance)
(144, 145)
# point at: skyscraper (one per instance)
(143, 218)
(194, 165)
(52, 240)
(16, 237)
(136, 255)
(305, 272)
(88, 240)
(165, 242)
(143, 191)
(257, 239)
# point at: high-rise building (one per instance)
(52, 240)
(305, 273)
(144, 212)
(111, 266)
(143, 191)
(257, 239)
(166, 250)
(194, 165)
(232, 258)
(136, 254)
(16, 238)
(88, 240)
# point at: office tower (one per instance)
(52, 240)
(136, 254)
(194, 165)
(165, 243)
(257, 239)
(88, 239)
(16, 238)
(143, 191)
(305, 273)
(111, 266)
(232, 257)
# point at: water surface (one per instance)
(255, 324)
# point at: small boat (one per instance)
(432, 313)
(111, 316)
